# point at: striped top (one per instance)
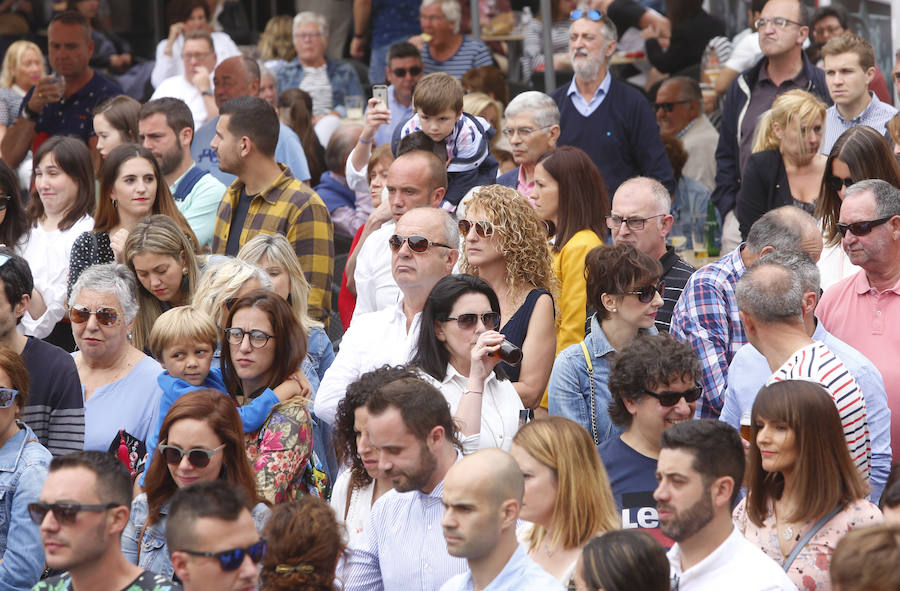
(817, 363)
(533, 44)
(676, 273)
(471, 54)
(875, 115)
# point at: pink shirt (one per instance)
(868, 321)
(524, 187)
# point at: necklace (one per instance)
(788, 533)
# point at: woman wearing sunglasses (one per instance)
(119, 381)
(458, 348)
(624, 287)
(24, 462)
(505, 244)
(859, 153)
(803, 490)
(201, 439)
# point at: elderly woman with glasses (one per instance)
(119, 381)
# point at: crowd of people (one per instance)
(268, 320)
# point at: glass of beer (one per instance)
(746, 432)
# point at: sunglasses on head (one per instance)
(491, 320)
(230, 560)
(645, 294)
(482, 228)
(594, 15)
(401, 72)
(106, 315)
(7, 395)
(4, 201)
(836, 182)
(198, 456)
(669, 398)
(64, 513)
(416, 243)
(861, 228)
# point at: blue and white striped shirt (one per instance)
(473, 53)
(876, 116)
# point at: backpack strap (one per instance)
(187, 183)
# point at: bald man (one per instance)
(482, 496)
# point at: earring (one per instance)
(115, 204)
(184, 270)
(615, 310)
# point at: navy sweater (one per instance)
(621, 136)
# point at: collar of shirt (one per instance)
(460, 380)
(687, 128)
(715, 560)
(861, 285)
(282, 181)
(12, 449)
(523, 186)
(873, 104)
(400, 317)
(799, 80)
(599, 94)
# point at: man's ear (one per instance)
(554, 132)
(509, 514)
(179, 563)
(666, 224)
(437, 195)
(185, 137)
(721, 491)
(452, 257)
(23, 304)
(747, 322)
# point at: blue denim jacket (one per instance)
(343, 78)
(23, 469)
(569, 389)
(154, 556)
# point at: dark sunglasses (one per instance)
(836, 182)
(482, 228)
(230, 560)
(667, 107)
(198, 457)
(668, 398)
(7, 395)
(594, 15)
(4, 201)
(106, 316)
(401, 72)
(491, 320)
(861, 228)
(64, 513)
(416, 243)
(646, 293)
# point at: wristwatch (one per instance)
(28, 114)
(207, 93)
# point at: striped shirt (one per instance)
(471, 54)
(676, 273)
(876, 116)
(533, 45)
(816, 362)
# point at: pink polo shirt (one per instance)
(869, 321)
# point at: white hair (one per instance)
(543, 108)
(309, 17)
(451, 9)
(112, 278)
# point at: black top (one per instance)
(237, 223)
(516, 329)
(689, 39)
(764, 187)
(91, 248)
(676, 273)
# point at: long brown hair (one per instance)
(824, 472)
(583, 200)
(295, 110)
(219, 412)
(74, 159)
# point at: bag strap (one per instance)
(186, 185)
(801, 544)
(590, 368)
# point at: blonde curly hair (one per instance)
(521, 237)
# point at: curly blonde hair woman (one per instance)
(506, 245)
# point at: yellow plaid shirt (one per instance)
(291, 208)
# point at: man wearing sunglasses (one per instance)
(403, 70)
(679, 112)
(212, 540)
(863, 309)
(750, 369)
(82, 511)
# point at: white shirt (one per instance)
(375, 285)
(181, 88)
(371, 341)
(172, 65)
(500, 406)
(316, 83)
(736, 565)
(357, 510)
(47, 254)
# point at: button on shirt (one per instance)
(519, 574)
(875, 115)
(403, 548)
(581, 105)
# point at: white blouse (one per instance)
(357, 510)
(47, 254)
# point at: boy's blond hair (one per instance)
(185, 324)
(438, 92)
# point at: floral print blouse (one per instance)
(280, 451)
(809, 571)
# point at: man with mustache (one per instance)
(606, 118)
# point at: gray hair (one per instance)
(451, 228)
(543, 108)
(782, 228)
(111, 278)
(653, 187)
(770, 293)
(308, 17)
(690, 88)
(451, 9)
(264, 71)
(610, 33)
(887, 197)
(799, 263)
(342, 142)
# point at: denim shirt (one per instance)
(154, 555)
(343, 78)
(23, 469)
(569, 389)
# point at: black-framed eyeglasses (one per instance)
(402, 72)
(645, 294)
(7, 395)
(836, 182)
(524, 132)
(861, 228)
(668, 106)
(258, 338)
(483, 228)
(594, 15)
(416, 243)
(614, 221)
(64, 513)
(778, 21)
(106, 315)
(669, 398)
(491, 320)
(4, 201)
(198, 457)
(230, 560)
